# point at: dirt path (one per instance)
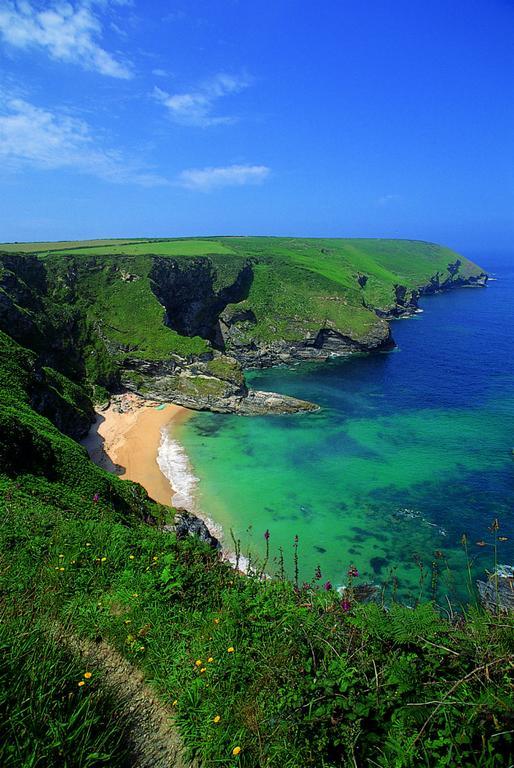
(154, 741)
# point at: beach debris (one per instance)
(497, 593)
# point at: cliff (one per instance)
(180, 320)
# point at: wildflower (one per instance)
(216, 621)
(103, 559)
(131, 557)
(503, 538)
(128, 621)
(495, 525)
(141, 647)
(198, 662)
(210, 660)
(61, 557)
(87, 675)
(352, 571)
(155, 557)
(345, 605)
(61, 569)
(203, 669)
(88, 543)
(266, 534)
(73, 562)
(174, 703)
(135, 594)
(327, 585)
(81, 683)
(236, 751)
(216, 719)
(96, 496)
(230, 650)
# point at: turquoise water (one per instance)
(410, 450)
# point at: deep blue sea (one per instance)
(411, 450)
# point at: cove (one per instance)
(410, 450)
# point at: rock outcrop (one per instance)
(186, 524)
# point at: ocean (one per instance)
(410, 451)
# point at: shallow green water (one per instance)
(410, 450)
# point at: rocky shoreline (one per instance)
(215, 380)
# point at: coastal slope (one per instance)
(180, 320)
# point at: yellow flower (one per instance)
(131, 557)
(216, 621)
(87, 675)
(155, 557)
(230, 650)
(203, 669)
(103, 559)
(198, 662)
(135, 594)
(210, 660)
(61, 569)
(141, 647)
(216, 719)
(174, 703)
(88, 543)
(128, 621)
(81, 683)
(236, 751)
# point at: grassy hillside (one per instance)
(297, 286)
(257, 672)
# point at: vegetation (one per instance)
(258, 671)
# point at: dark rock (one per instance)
(187, 524)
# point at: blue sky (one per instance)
(381, 118)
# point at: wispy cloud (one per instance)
(37, 138)
(205, 179)
(196, 107)
(66, 32)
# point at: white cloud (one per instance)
(195, 108)
(36, 138)
(68, 33)
(205, 179)
(159, 73)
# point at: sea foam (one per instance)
(174, 463)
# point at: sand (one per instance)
(125, 440)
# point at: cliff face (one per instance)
(183, 328)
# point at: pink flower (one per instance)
(96, 497)
(266, 534)
(327, 585)
(352, 571)
(345, 605)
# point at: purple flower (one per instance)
(266, 534)
(327, 585)
(345, 605)
(96, 497)
(352, 571)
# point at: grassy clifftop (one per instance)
(257, 300)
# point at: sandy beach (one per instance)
(125, 440)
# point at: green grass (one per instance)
(46, 719)
(299, 286)
(309, 682)
(297, 676)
